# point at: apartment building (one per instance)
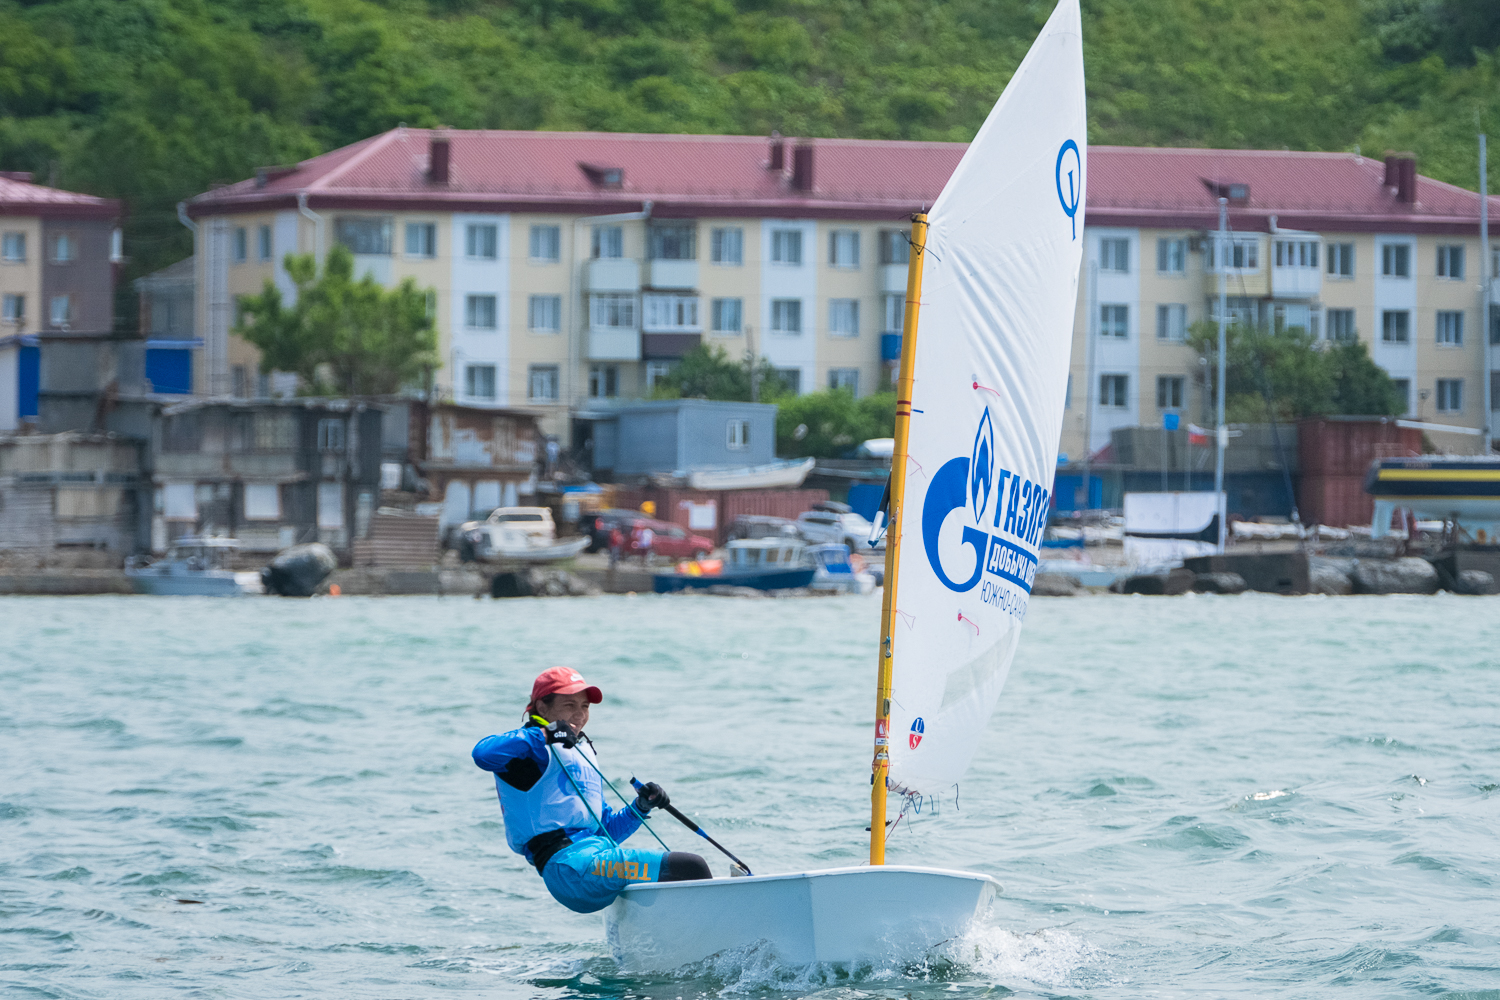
(570, 269)
(58, 251)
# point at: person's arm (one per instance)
(517, 758)
(621, 823)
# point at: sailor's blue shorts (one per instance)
(587, 875)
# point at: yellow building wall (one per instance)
(24, 277)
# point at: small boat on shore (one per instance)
(497, 543)
(775, 475)
(758, 563)
(194, 566)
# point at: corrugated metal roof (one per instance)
(704, 175)
(20, 197)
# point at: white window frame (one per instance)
(786, 316)
(728, 315)
(422, 235)
(1243, 252)
(1449, 328)
(665, 312)
(843, 248)
(1168, 386)
(612, 311)
(604, 381)
(843, 317)
(607, 243)
(1171, 255)
(60, 311)
(1395, 260)
(13, 248)
(1389, 328)
(263, 247)
(1340, 260)
(475, 378)
(482, 241)
(1114, 390)
(1300, 254)
(1335, 331)
(1109, 313)
(542, 383)
(727, 245)
(1171, 322)
(331, 434)
(481, 312)
(544, 313)
(893, 312)
(737, 434)
(239, 243)
(1449, 255)
(14, 308)
(1114, 254)
(786, 247)
(656, 371)
(545, 244)
(844, 378)
(1450, 395)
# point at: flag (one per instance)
(1198, 435)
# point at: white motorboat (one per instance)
(834, 570)
(775, 475)
(500, 543)
(987, 388)
(194, 566)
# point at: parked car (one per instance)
(671, 540)
(598, 524)
(534, 521)
(834, 527)
(762, 526)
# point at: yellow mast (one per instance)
(895, 510)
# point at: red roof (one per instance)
(695, 175)
(19, 196)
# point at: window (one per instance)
(786, 246)
(240, 246)
(1241, 253)
(14, 309)
(544, 313)
(363, 235)
(1395, 326)
(421, 239)
(1171, 256)
(1296, 253)
(1114, 321)
(482, 241)
(844, 378)
(1494, 324)
(657, 371)
(239, 383)
(1169, 390)
(541, 382)
(737, 435)
(546, 244)
(1114, 255)
(13, 248)
(893, 310)
(728, 315)
(608, 243)
(331, 434)
(674, 242)
(1403, 392)
(604, 381)
(1494, 391)
(843, 248)
(1395, 260)
(1450, 262)
(728, 246)
(263, 243)
(1341, 260)
(1171, 322)
(895, 247)
(1112, 390)
(612, 311)
(786, 315)
(62, 310)
(1450, 395)
(1450, 327)
(669, 312)
(1495, 263)
(479, 312)
(262, 502)
(792, 378)
(274, 432)
(1340, 324)
(479, 381)
(843, 317)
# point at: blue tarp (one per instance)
(170, 369)
(28, 381)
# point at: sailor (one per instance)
(552, 798)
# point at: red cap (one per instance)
(563, 680)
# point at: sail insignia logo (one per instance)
(1070, 191)
(917, 728)
(1004, 544)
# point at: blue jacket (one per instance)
(536, 795)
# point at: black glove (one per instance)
(651, 796)
(561, 732)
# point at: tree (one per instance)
(710, 373)
(343, 336)
(1291, 374)
(831, 423)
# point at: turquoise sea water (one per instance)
(1198, 796)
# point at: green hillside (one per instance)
(154, 100)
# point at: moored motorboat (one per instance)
(757, 563)
(1464, 488)
(194, 566)
(834, 569)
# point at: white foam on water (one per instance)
(1048, 957)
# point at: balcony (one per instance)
(614, 274)
(893, 279)
(672, 274)
(612, 343)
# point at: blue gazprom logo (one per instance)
(1009, 551)
(1070, 189)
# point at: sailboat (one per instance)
(993, 280)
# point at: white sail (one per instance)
(1000, 286)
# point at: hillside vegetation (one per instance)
(152, 101)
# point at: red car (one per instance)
(670, 540)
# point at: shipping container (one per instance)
(1337, 501)
(1345, 446)
(712, 512)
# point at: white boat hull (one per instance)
(839, 915)
(555, 552)
(778, 475)
(208, 583)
